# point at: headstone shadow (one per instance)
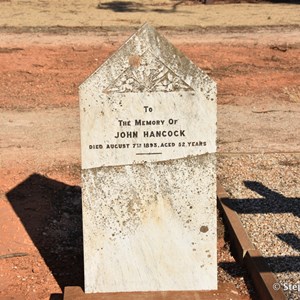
(51, 214)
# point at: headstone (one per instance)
(148, 141)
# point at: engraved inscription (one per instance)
(149, 134)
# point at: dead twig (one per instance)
(78, 50)
(282, 48)
(9, 50)
(270, 111)
(11, 255)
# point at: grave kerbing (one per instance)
(148, 142)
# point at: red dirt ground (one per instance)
(49, 75)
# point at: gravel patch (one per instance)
(265, 192)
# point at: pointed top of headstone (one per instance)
(146, 26)
(147, 62)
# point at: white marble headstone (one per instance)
(148, 142)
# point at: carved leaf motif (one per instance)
(150, 75)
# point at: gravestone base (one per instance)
(225, 292)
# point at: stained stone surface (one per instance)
(148, 142)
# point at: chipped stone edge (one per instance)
(246, 253)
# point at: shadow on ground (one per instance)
(131, 6)
(51, 213)
(271, 202)
(285, 1)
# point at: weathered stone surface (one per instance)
(148, 124)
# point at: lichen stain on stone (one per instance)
(134, 208)
(203, 229)
(134, 61)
